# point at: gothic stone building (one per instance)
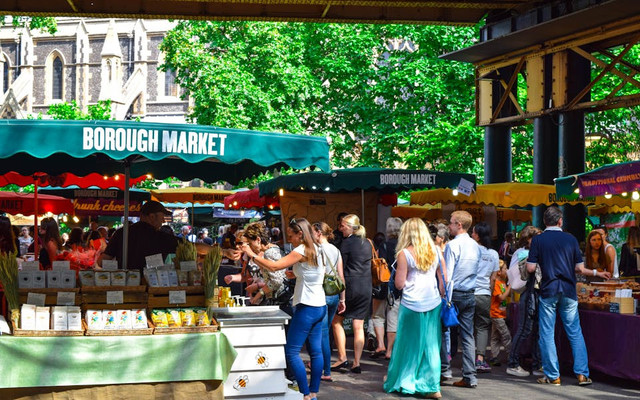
(89, 60)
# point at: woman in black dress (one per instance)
(356, 259)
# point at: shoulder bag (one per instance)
(332, 283)
(379, 270)
(448, 311)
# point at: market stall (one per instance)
(182, 151)
(367, 192)
(440, 211)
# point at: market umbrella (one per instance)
(250, 199)
(509, 194)
(355, 179)
(66, 179)
(609, 179)
(433, 212)
(191, 195)
(24, 203)
(163, 150)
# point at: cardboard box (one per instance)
(74, 318)
(625, 305)
(103, 278)
(163, 278)
(94, 319)
(87, 278)
(152, 277)
(124, 319)
(133, 278)
(39, 280)
(42, 318)
(25, 279)
(68, 279)
(28, 317)
(139, 319)
(59, 320)
(173, 278)
(118, 278)
(110, 319)
(54, 279)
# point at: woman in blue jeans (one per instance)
(308, 263)
(323, 234)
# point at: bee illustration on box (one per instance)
(241, 382)
(262, 360)
(110, 319)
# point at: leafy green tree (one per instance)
(378, 92)
(71, 111)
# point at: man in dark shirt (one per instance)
(559, 257)
(337, 234)
(145, 238)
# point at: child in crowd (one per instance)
(499, 332)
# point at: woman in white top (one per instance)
(415, 360)
(308, 300)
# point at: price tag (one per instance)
(154, 261)
(115, 297)
(187, 265)
(66, 298)
(109, 265)
(37, 299)
(60, 265)
(30, 265)
(177, 297)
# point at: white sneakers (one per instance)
(519, 371)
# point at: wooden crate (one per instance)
(95, 298)
(119, 332)
(51, 298)
(626, 305)
(49, 333)
(187, 329)
(159, 297)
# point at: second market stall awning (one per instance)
(249, 199)
(509, 194)
(608, 179)
(191, 195)
(355, 179)
(162, 150)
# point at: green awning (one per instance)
(162, 150)
(349, 180)
(607, 179)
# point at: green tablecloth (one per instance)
(105, 360)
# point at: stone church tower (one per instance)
(89, 60)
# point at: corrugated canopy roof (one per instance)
(451, 12)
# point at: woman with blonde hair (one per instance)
(415, 360)
(309, 265)
(356, 261)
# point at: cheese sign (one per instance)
(37, 299)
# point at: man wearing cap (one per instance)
(145, 238)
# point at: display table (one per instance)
(612, 343)
(108, 360)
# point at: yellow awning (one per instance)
(511, 194)
(433, 212)
(191, 195)
(604, 209)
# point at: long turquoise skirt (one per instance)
(415, 360)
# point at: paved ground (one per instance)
(491, 386)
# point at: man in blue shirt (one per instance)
(462, 256)
(559, 257)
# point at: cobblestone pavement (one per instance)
(491, 386)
